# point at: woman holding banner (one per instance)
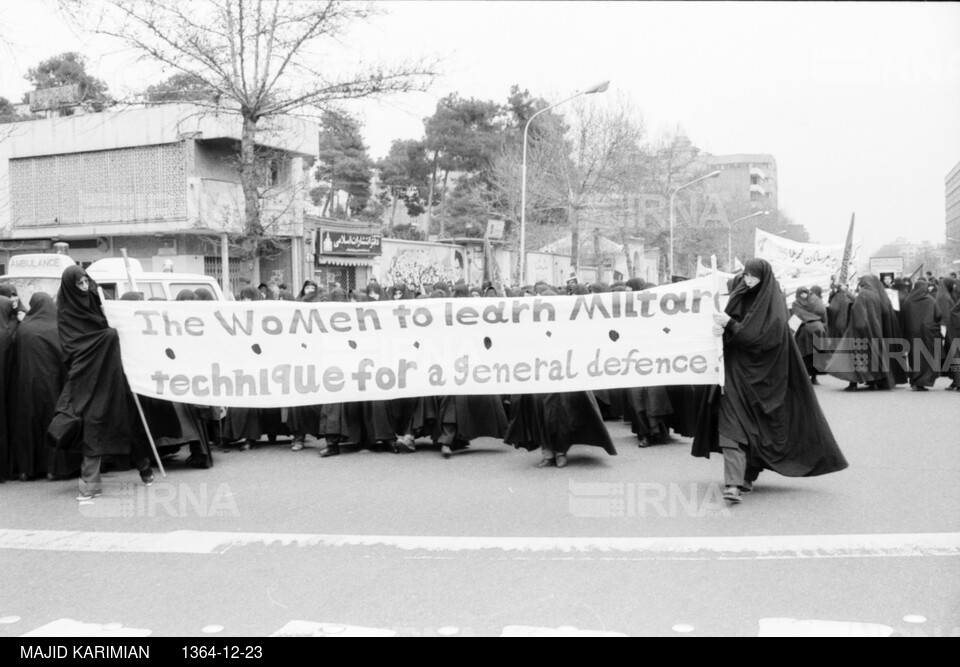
(96, 411)
(768, 416)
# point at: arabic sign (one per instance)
(342, 243)
(804, 264)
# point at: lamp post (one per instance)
(730, 236)
(712, 174)
(599, 88)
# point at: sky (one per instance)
(858, 102)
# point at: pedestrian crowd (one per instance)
(66, 410)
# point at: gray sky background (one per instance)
(859, 103)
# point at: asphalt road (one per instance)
(279, 542)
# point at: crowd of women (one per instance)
(67, 409)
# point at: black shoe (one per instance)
(147, 477)
(329, 450)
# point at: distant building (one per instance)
(161, 181)
(952, 197)
(745, 177)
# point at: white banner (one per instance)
(282, 354)
(804, 264)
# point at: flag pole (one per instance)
(136, 399)
(719, 286)
(847, 252)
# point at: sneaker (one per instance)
(732, 494)
(89, 495)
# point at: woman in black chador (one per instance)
(768, 416)
(811, 312)
(920, 315)
(8, 329)
(39, 374)
(554, 422)
(96, 411)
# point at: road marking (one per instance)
(9, 620)
(312, 629)
(913, 618)
(755, 547)
(792, 627)
(66, 627)
(565, 631)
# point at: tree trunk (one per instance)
(626, 250)
(598, 260)
(393, 211)
(248, 178)
(433, 180)
(249, 183)
(443, 200)
(573, 218)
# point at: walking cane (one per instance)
(136, 399)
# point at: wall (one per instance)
(418, 263)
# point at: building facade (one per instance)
(161, 182)
(952, 198)
(745, 177)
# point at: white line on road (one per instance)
(756, 547)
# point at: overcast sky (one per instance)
(859, 103)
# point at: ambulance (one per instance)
(42, 272)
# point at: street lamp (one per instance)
(730, 235)
(599, 88)
(712, 174)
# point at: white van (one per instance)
(111, 275)
(42, 273)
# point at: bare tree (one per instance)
(261, 59)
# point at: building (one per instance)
(612, 264)
(933, 258)
(163, 183)
(745, 177)
(952, 197)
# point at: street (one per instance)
(276, 542)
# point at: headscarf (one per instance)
(250, 294)
(203, 294)
(809, 307)
(132, 296)
(303, 296)
(761, 311)
(461, 291)
(42, 308)
(186, 295)
(79, 313)
(400, 288)
(7, 322)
